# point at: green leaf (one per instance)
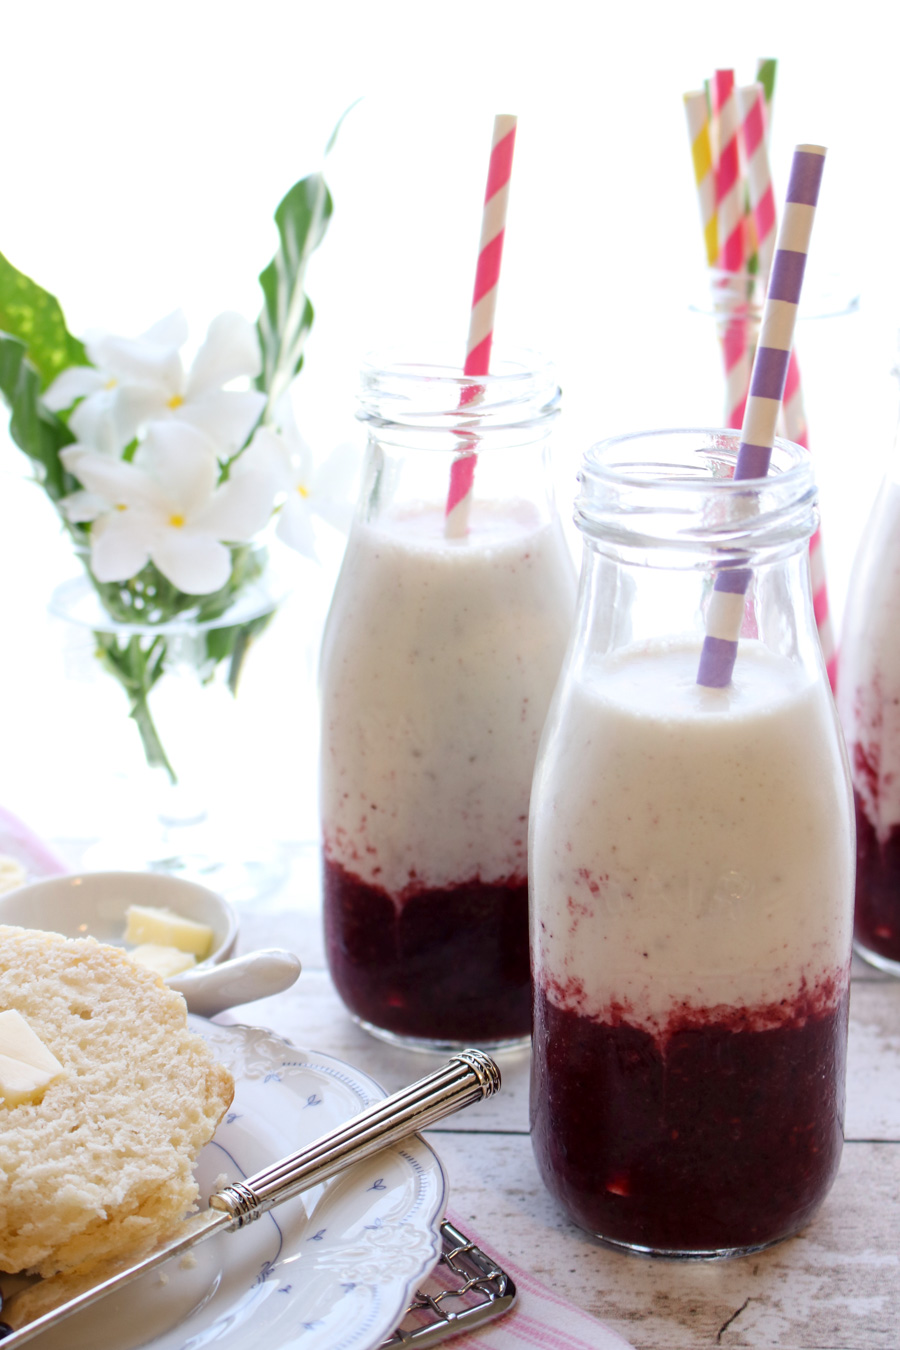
(35, 346)
(33, 428)
(34, 316)
(233, 643)
(340, 122)
(302, 218)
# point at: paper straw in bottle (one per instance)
(697, 112)
(731, 261)
(751, 111)
(766, 70)
(796, 429)
(484, 305)
(726, 609)
(729, 190)
(709, 89)
(751, 105)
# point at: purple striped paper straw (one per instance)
(726, 608)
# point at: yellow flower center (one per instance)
(175, 401)
(120, 506)
(176, 521)
(111, 383)
(303, 489)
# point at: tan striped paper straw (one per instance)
(726, 609)
(751, 102)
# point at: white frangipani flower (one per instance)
(136, 381)
(324, 490)
(169, 508)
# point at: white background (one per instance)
(145, 147)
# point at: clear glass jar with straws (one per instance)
(440, 655)
(691, 864)
(868, 696)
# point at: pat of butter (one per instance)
(26, 1065)
(12, 873)
(164, 961)
(165, 929)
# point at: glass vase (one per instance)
(178, 678)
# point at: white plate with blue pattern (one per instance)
(333, 1269)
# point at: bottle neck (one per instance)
(669, 499)
(663, 521)
(424, 419)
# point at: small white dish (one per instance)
(93, 904)
(333, 1269)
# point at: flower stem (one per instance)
(138, 667)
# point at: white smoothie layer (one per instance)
(439, 661)
(691, 847)
(869, 676)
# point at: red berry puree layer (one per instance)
(723, 1133)
(447, 964)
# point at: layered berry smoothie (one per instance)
(439, 661)
(869, 703)
(692, 880)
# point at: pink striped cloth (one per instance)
(17, 841)
(539, 1317)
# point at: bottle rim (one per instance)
(431, 395)
(675, 487)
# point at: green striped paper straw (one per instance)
(766, 70)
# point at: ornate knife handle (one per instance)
(468, 1077)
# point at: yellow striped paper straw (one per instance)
(697, 111)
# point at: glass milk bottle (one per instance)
(868, 697)
(440, 656)
(691, 865)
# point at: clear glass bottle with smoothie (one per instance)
(440, 656)
(868, 695)
(691, 866)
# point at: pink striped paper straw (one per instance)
(484, 306)
(796, 429)
(729, 194)
(770, 365)
(751, 110)
(730, 207)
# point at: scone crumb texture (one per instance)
(102, 1166)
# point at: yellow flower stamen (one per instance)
(175, 402)
(303, 489)
(120, 506)
(176, 521)
(111, 383)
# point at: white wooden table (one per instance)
(834, 1287)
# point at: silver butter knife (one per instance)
(467, 1077)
